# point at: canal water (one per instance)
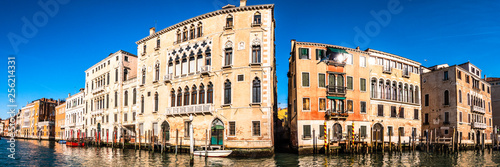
(45, 153)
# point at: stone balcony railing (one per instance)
(335, 89)
(333, 114)
(97, 111)
(477, 109)
(478, 125)
(191, 109)
(206, 69)
(168, 78)
(97, 90)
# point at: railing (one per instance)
(478, 125)
(191, 109)
(167, 78)
(97, 111)
(387, 69)
(206, 69)
(478, 109)
(228, 27)
(334, 63)
(335, 89)
(256, 24)
(98, 89)
(336, 114)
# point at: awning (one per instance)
(335, 97)
(337, 50)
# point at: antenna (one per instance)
(155, 23)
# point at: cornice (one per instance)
(392, 55)
(205, 16)
(109, 56)
(332, 46)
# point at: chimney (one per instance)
(357, 48)
(243, 3)
(484, 77)
(69, 94)
(152, 30)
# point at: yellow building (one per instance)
(215, 72)
(60, 121)
(39, 119)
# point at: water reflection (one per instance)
(44, 153)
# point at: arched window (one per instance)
(125, 74)
(400, 91)
(179, 97)
(380, 90)
(116, 99)
(134, 94)
(184, 65)
(157, 43)
(394, 91)
(417, 95)
(142, 104)
(125, 98)
(374, 88)
(194, 94)
(157, 71)
(256, 52)
(468, 99)
(256, 91)
(411, 94)
(257, 18)
(199, 30)
(406, 93)
(156, 101)
(446, 97)
(172, 98)
(202, 94)
(170, 67)
(227, 92)
(185, 34)
(191, 32)
(179, 38)
(186, 96)
(144, 75)
(228, 54)
(210, 93)
(388, 90)
(229, 21)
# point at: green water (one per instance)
(45, 153)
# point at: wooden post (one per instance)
(139, 139)
(135, 142)
(390, 141)
(206, 143)
(383, 144)
(176, 139)
(371, 138)
(453, 141)
(314, 142)
(376, 139)
(325, 135)
(399, 139)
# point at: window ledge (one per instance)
(256, 24)
(157, 48)
(227, 67)
(255, 64)
(156, 81)
(255, 104)
(226, 105)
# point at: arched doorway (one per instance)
(337, 132)
(378, 130)
(165, 129)
(217, 132)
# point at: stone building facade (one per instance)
(372, 90)
(456, 98)
(75, 115)
(215, 72)
(60, 121)
(103, 94)
(495, 99)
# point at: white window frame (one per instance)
(319, 100)
(260, 128)
(229, 133)
(362, 61)
(301, 80)
(318, 80)
(302, 107)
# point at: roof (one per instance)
(110, 55)
(492, 79)
(204, 16)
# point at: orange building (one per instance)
(350, 90)
(39, 119)
(60, 121)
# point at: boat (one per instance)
(74, 143)
(213, 153)
(62, 141)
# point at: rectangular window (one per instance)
(362, 84)
(390, 131)
(393, 111)
(304, 53)
(415, 114)
(426, 118)
(363, 131)
(241, 77)
(468, 120)
(349, 130)
(402, 112)
(349, 106)
(349, 83)
(232, 128)
(322, 131)
(186, 128)
(322, 104)
(362, 61)
(116, 118)
(380, 110)
(306, 132)
(362, 107)
(446, 117)
(460, 117)
(256, 128)
(459, 74)
(426, 100)
(445, 75)
(133, 116)
(402, 131)
(306, 105)
(320, 54)
(305, 79)
(321, 80)
(141, 128)
(349, 59)
(125, 117)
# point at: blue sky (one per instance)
(51, 60)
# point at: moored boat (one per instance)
(62, 142)
(214, 153)
(75, 144)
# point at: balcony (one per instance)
(191, 109)
(406, 74)
(387, 70)
(477, 125)
(167, 78)
(256, 24)
(205, 70)
(334, 63)
(98, 90)
(228, 27)
(336, 90)
(477, 109)
(332, 114)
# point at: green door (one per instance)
(217, 133)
